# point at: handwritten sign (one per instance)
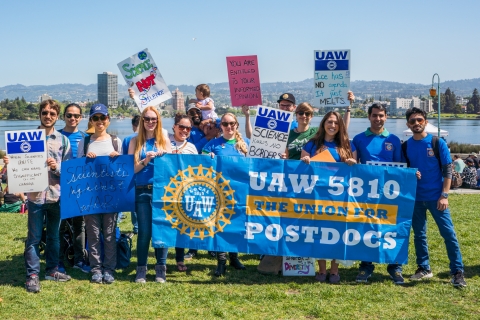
(270, 133)
(142, 75)
(27, 170)
(244, 81)
(297, 266)
(99, 185)
(331, 78)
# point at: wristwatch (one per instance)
(445, 195)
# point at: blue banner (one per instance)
(283, 208)
(97, 185)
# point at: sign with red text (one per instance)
(244, 81)
(142, 75)
(331, 78)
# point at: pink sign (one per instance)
(244, 81)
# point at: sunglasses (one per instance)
(70, 115)
(185, 128)
(194, 113)
(226, 124)
(307, 113)
(96, 118)
(419, 120)
(148, 119)
(51, 113)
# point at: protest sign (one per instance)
(142, 75)
(244, 81)
(27, 170)
(270, 133)
(97, 185)
(331, 78)
(283, 208)
(297, 266)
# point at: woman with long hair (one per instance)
(231, 143)
(332, 137)
(145, 147)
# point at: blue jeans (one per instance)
(369, 267)
(143, 208)
(445, 226)
(134, 222)
(37, 214)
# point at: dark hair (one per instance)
(135, 120)
(181, 116)
(72, 105)
(415, 110)
(204, 89)
(52, 103)
(376, 106)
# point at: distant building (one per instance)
(178, 102)
(398, 106)
(44, 97)
(108, 89)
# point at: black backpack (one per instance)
(124, 251)
(435, 147)
(87, 142)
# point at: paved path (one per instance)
(465, 191)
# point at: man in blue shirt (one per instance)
(379, 145)
(434, 178)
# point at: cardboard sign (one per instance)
(142, 75)
(270, 133)
(296, 266)
(27, 170)
(331, 78)
(244, 81)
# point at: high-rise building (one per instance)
(178, 102)
(108, 89)
(44, 97)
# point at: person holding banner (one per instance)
(332, 137)
(299, 136)
(145, 147)
(44, 206)
(101, 144)
(230, 144)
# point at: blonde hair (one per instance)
(240, 145)
(160, 141)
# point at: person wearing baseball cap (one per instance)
(473, 156)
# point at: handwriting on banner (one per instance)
(244, 80)
(332, 78)
(99, 185)
(298, 266)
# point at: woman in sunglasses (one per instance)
(145, 147)
(299, 136)
(332, 136)
(230, 144)
(101, 144)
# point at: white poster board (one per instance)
(142, 75)
(270, 133)
(296, 266)
(27, 152)
(331, 78)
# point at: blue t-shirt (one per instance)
(145, 176)
(294, 124)
(197, 137)
(311, 148)
(421, 156)
(126, 143)
(385, 147)
(223, 147)
(75, 138)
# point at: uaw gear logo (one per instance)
(388, 146)
(430, 152)
(272, 124)
(25, 146)
(199, 202)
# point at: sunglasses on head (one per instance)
(70, 115)
(306, 113)
(51, 113)
(226, 124)
(413, 120)
(185, 128)
(102, 117)
(149, 119)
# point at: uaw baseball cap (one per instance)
(98, 108)
(287, 97)
(192, 106)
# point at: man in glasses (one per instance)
(44, 206)
(379, 145)
(434, 177)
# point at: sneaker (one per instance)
(422, 274)
(160, 273)
(362, 276)
(97, 278)
(82, 267)
(61, 267)
(458, 280)
(189, 255)
(321, 277)
(56, 275)
(32, 284)
(397, 278)
(108, 278)
(141, 276)
(334, 278)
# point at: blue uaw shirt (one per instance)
(311, 148)
(421, 156)
(385, 147)
(145, 176)
(75, 138)
(197, 137)
(223, 147)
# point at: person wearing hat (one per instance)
(473, 156)
(469, 174)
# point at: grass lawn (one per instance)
(247, 294)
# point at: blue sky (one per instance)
(50, 42)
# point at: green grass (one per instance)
(247, 294)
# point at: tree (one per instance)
(442, 102)
(475, 101)
(450, 101)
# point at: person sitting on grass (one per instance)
(12, 202)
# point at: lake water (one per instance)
(464, 131)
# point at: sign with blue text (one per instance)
(97, 185)
(283, 207)
(27, 152)
(331, 78)
(270, 133)
(142, 75)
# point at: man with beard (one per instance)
(434, 177)
(197, 136)
(44, 206)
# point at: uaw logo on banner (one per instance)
(23, 142)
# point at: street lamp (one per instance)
(433, 93)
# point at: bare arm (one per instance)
(248, 125)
